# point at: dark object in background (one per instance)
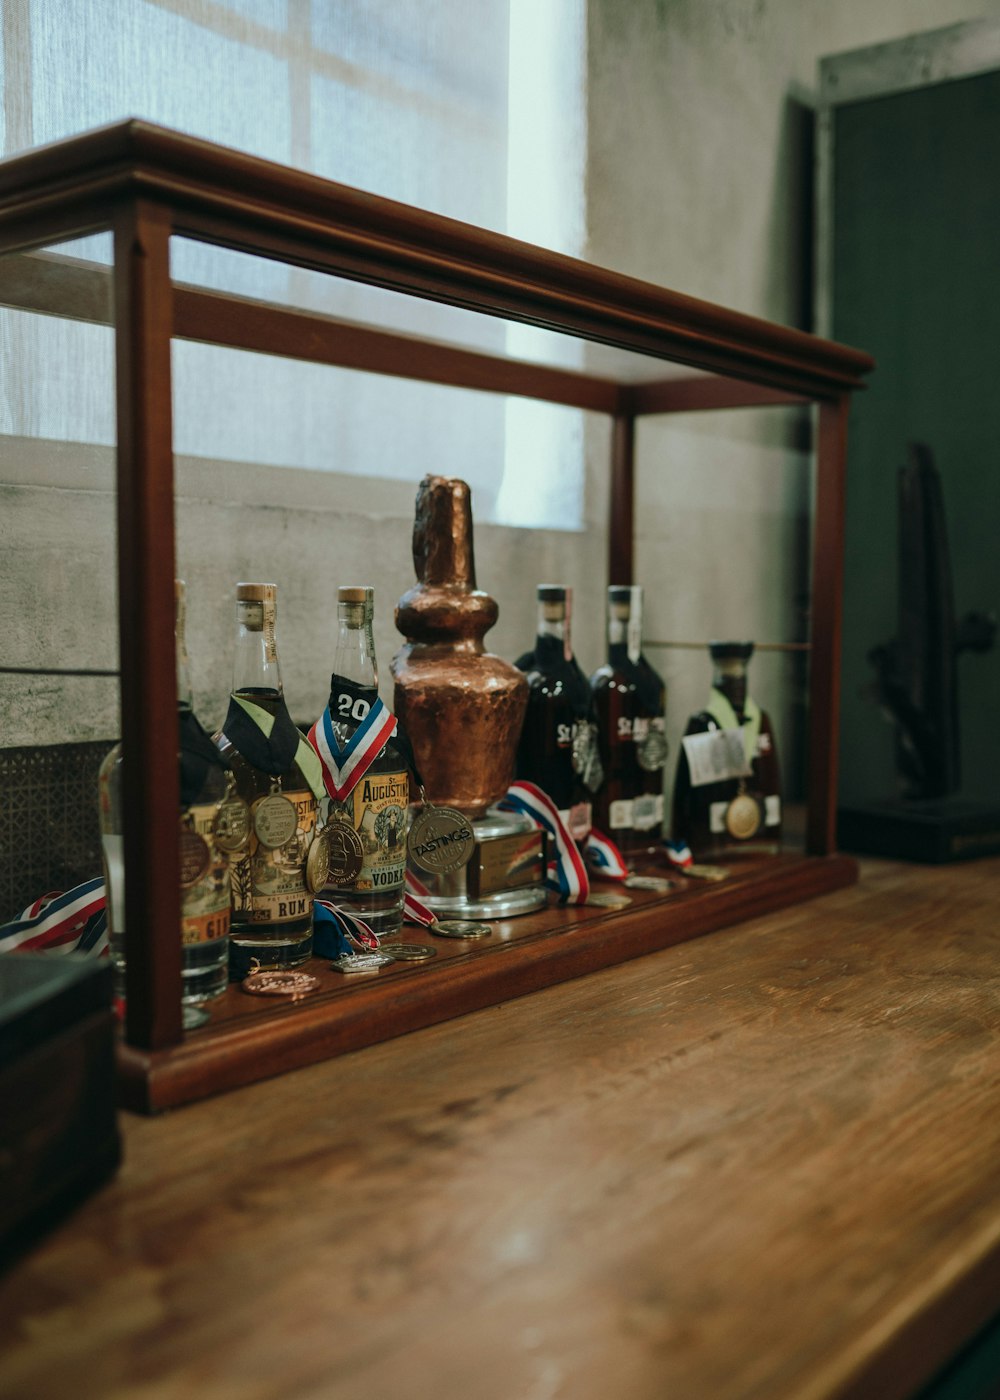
(58, 1125)
(917, 680)
(917, 687)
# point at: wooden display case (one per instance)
(148, 185)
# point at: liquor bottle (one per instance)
(272, 920)
(558, 747)
(630, 700)
(209, 820)
(365, 822)
(727, 793)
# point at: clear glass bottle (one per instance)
(630, 700)
(732, 815)
(204, 785)
(558, 748)
(272, 919)
(376, 807)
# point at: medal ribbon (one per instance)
(567, 872)
(283, 744)
(343, 767)
(725, 717)
(74, 922)
(603, 857)
(415, 911)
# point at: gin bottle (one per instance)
(204, 786)
(630, 700)
(558, 748)
(365, 822)
(727, 801)
(272, 915)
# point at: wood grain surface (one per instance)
(762, 1164)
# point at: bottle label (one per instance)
(205, 904)
(620, 816)
(648, 811)
(578, 820)
(650, 742)
(269, 883)
(376, 808)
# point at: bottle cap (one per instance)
(551, 593)
(350, 593)
(730, 651)
(256, 592)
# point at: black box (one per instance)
(933, 832)
(58, 1124)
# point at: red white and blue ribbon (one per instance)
(566, 872)
(336, 932)
(678, 853)
(70, 922)
(604, 859)
(345, 765)
(415, 911)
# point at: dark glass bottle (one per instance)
(558, 747)
(630, 700)
(733, 814)
(376, 807)
(204, 786)
(272, 920)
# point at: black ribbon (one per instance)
(274, 753)
(197, 755)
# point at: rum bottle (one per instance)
(205, 788)
(558, 748)
(727, 793)
(630, 700)
(272, 910)
(365, 820)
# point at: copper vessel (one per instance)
(461, 707)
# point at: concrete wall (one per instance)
(698, 177)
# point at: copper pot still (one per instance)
(461, 706)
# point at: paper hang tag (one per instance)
(716, 757)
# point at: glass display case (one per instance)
(423, 296)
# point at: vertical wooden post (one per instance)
(827, 612)
(621, 533)
(150, 788)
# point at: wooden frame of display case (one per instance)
(147, 185)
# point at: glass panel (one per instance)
(723, 549)
(58, 579)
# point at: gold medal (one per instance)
(196, 857)
(608, 900)
(275, 821)
(440, 840)
(743, 817)
(317, 864)
(232, 824)
(276, 982)
(344, 852)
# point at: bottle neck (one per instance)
(625, 626)
(553, 631)
(354, 658)
(184, 693)
(256, 666)
(731, 678)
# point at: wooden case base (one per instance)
(251, 1038)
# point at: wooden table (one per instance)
(764, 1164)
